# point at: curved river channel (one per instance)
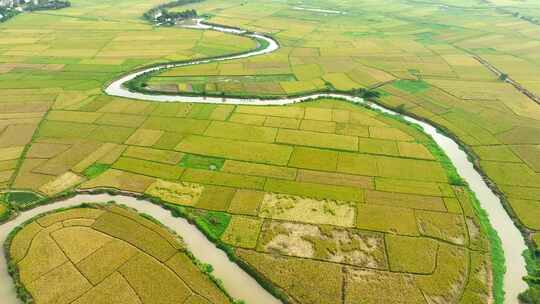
(237, 282)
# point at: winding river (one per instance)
(512, 241)
(239, 284)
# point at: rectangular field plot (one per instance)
(148, 168)
(223, 179)
(161, 156)
(307, 210)
(246, 202)
(315, 139)
(411, 254)
(386, 219)
(326, 243)
(202, 162)
(144, 137)
(329, 178)
(248, 168)
(411, 169)
(242, 231)
(289, 112)
(177, 125)
(434, 203)
(408, 186)
(316, 159)
(319, 191)
(216, 198)
(241, 132)
(177, 193)
(238, 150)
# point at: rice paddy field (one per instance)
(106, 254)
(324, 187)
(323, 195)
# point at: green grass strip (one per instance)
(411, 86)
(498, 263)
(22, 198)
(212, 223)
(95, 170)
(532, 295)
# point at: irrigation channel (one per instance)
(237, 282)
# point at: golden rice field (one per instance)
(106, 254)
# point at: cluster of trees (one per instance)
(176, 3)
(47, 5)
(160, 13)
(170, 18)
(366, 93)
(532, 295)
(10, 9)
(6, 13)
(531, 19)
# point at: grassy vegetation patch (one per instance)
(411, 86)
(22, 198)
(212, 223)
(202, 162)
(95, 170)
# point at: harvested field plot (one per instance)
(289, 207)
(325, 243)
